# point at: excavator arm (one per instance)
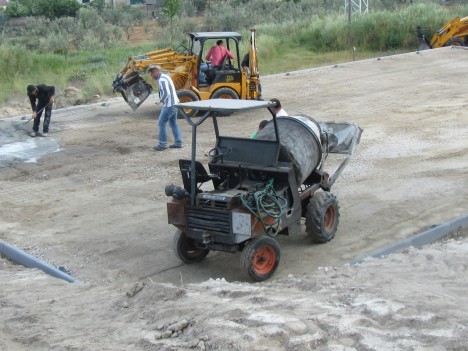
(254, 85)
(454, 33)
(135, 90)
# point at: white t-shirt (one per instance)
(281, 112)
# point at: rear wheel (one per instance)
(185, 248)
(322, 217)
(260, 258)
(225, 93)
(455, 41)
(186, 95)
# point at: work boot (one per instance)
(159, 148)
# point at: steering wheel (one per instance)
(218, 151)
(226, 63)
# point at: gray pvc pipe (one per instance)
(22, 257)
(424, 238)
(429, 236)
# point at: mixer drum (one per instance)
(300, 143)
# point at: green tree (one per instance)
(57, 8)
(170, 9)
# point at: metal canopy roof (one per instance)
(214, 35)
(225, 105)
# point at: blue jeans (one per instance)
(169, 114)
(203, 68)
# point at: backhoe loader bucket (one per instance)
(423, 45)
(423, 42)
(134, 89)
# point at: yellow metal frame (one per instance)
(183, 69)
(455, 28)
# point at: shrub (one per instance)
(65, 25)
(55, 42)
(89, 42)
(188, 25)
(99, 5)
(89, 18)
(19, 61)
(36, 27)
(222, 17)
(97, 58)
(48, 8)
(188, 9)
(16, 9)
(78, 76)
(200, 5)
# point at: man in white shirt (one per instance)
(168, 97)
(279, 111)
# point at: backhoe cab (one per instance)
(453, 33)
(228, 81)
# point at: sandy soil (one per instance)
(95, 205)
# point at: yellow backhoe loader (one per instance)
(228, 81)
(454, 33)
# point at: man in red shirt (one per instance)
(217, 53)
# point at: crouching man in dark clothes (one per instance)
(43, 95)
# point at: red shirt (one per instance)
(216, 55)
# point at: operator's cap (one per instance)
(153, 67)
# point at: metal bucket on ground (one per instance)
(300, 143)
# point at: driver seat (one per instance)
(201, 175)
(210, 75)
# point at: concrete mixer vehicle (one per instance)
(184, 65)
(453, 33)
(256, 188)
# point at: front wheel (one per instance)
(455, 41)
(322, 217)
(225, 93)
(260, 258)
(185, 248)
(186, 95)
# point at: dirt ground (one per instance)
(94, 204)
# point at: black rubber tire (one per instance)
(186, 95)
(260, 258)
(322, 217)
(185, 249)
(455, 41)
(225, 93)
